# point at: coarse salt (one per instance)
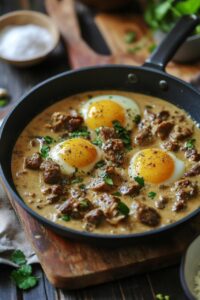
(24, 42)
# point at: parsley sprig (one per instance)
(139, 180)
(152, 195)
(123, 208)
(190, 144)
(123, 134)
(23, 276)
(82, 132)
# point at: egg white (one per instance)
(130, 107)
(66, 168)
(179, 167)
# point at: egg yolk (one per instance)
(103, 113)
(78, 152)
(154, 165)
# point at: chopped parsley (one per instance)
(18, 257)
(118, 194)
(82, 132)
(44, 152)
(137, 119)
(84, 203)
(162, 297)
(123, 134)
(48, 139)
(123, 208)
(152, 195)
(152, 47)
(100, 164)
(76, 180)
(130, 37)
(82, 187)
(190, 144)
(139, 180)
(22, 276)
(3, 102)
(65, 218)
(98, 142)
(108, 179)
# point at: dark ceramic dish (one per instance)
(149, 79)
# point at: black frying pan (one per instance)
(149, 79)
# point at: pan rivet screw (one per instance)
(132, 78)
(163, 85)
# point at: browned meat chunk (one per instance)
(108, 204)
(195, 170)
(56, 189)
(185, 190)
(144, 137)
(114, 151)
(73, 123)
(161, 203)
(58, 121)
(33, 162)
(94, 217)
(70, 207)
(192, 154)
(107, 133)
(163, 115)
(99, 185)
(181, 133)
(51, 172)
(163, 130)
(171, 146)
(148, 215)
(132, 189)
(179, 205)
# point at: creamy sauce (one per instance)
(30, 182)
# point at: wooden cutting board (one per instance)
(69, 264)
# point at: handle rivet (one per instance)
(132, 78)
(163, 85)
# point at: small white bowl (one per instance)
(190, 265)
(25, 17)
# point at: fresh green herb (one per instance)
(82, 132)
(18, 257)
(162, 297)
(76, 180)
(48, 140)
(82, 187)
(98, 142)
(152, 48)
(123, 134)
(100, 164)
(137, 119)
(108, 179)
(162, 15)
(84, 203)
(44, 152)
(97, 130)
(134, 49)
(23, 275)
(118, 194)
(130, 37)
(151, 195)
(3, 102)
(139, 180)
(190, 144)
(123, 208)
(66, 218)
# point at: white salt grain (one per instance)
(24, 42)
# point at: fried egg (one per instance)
(75, 154)
(156, 166)
(103, 110)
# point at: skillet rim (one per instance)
(78, 234)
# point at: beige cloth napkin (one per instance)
(12, 236)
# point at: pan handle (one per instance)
(163, 53)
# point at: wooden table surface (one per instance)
(18, 81)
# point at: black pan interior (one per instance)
(133, 79)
